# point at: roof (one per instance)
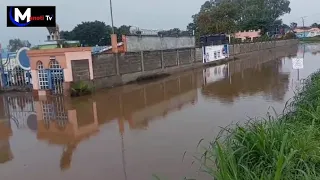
(5, 53)
(101, 49)
(56, 42)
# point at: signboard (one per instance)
(215, 52)
(23, 59)
(31, 16)
(297, 63)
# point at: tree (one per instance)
(122, 30)
(293, 25)
(261, 14)
(191, 28)
(94, 33)
(315, 25)
(68, 35)
(16, 44)
(216, 17)
(175, 32)
(225, 16)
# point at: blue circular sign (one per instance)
(23, 58)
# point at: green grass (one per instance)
(280, 147)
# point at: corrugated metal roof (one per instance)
(101, 49)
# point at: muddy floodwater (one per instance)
(140, 130)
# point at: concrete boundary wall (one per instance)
(116, 69)
(154, 43)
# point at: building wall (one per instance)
(64, 56)
(108, 70)
(80, 70)
(153, 43)
(247, 34)
(237, 49)
(77, 56)
(115, 69)
(104, 65)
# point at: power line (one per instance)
(292, 20)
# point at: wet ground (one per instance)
(135, 131)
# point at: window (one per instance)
(54, 64)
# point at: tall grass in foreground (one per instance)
(285, 147)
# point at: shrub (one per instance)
(81, 88)
(285, 147)
(290, 35)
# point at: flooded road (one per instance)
(135, 131)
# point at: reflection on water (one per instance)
(252, 79)
(59, 123)
(134, 131)
(138, 105)
(5, 149)
(66, 122)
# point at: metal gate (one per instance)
(56, 77)
(56, 81)
(12, 75)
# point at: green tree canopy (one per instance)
(315, 25)
(94, 33)
(293, 25)
(16, 44)
(225, 16)
(174, 33)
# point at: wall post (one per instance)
(178, 58)
(162, 60)
(194, 55)
(142, 62)
(114, 43)
(117, 63)
(191, 59)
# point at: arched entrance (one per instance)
(56, 77)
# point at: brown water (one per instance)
(135, 131)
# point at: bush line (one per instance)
(280, 147)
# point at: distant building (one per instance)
(214, 39)
(5, 55)
(306, 32)
(247, 35)
(55, 44)
(108, 49)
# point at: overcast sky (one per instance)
(148, 14)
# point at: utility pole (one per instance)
(114, 42)
(111, 16)
(304, 32)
